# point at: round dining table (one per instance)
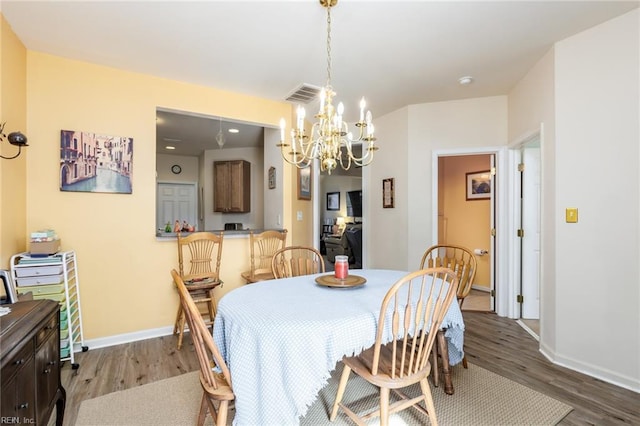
(282, 338)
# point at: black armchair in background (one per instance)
(354, 237)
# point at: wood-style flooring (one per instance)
(494, 343)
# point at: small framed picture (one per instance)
(272, 177)
(478, 185)
(333, 201)
(387, 193)
(304, 183)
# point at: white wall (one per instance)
(469, 123)
(384, 230)
(532, 103)
(273, 198)
(597, 154)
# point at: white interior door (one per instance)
(176, 201)
(531, 237)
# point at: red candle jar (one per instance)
(341, 267)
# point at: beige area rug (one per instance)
(480, 398)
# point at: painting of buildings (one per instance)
(91, 162)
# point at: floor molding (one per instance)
(528, 330)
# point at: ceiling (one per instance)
(395, 53)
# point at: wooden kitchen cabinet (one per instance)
(232, 186)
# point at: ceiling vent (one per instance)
(304, 93)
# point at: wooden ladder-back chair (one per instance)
(202, 251)
(410, 316)
(463, 262)
(294, 261)
(215, 377)
(263, 247)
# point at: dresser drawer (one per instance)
(38, 270)
(40, 280)
(18, 360)
(49, 327)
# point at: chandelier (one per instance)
(330, 140)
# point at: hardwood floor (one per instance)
(502, 346)
(494, 343)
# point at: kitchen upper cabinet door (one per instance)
(232, 186)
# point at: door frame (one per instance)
(514, 213)
(504, 292)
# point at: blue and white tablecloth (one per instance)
(282, 338)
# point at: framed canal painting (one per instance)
(91, 162)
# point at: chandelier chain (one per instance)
(328, 46)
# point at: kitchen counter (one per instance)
(228, 233)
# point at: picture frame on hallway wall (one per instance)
(388, 195)
(304, 183)
(478, 185)
(333, 201)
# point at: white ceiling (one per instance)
(395, 53)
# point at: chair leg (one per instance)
(178, 316)
(204, 407)
(341, 386)
(435, 371)
(428, 399)
(444, 358)
(181, 322)
(464, 362)
(384, 406)
(223, 409)
(211, 305)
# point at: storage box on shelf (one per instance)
(54, 277)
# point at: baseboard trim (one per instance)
(528, 330)
(605, 375)
(119, 339)
(481, 288)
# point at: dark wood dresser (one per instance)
(30, 363)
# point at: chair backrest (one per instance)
(202, 251)
(294, 261)
(458, 258)
(208, 354)
(263, 247)
(412, 311)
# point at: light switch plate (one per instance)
(299, 215)
(571, 215)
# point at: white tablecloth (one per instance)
(282, 338)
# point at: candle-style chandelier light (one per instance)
(330, 141)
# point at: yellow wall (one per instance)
(467, 222)
(13, 111)
(123, 270)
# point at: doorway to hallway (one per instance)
(465, 217)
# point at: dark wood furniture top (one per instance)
(30, 363)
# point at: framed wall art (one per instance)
(304, 183)
(388, 195)
(90, 162)
(333, 201)
(272, 177)
(478, 185)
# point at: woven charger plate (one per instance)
(331, 281)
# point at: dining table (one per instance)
(282, 338)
